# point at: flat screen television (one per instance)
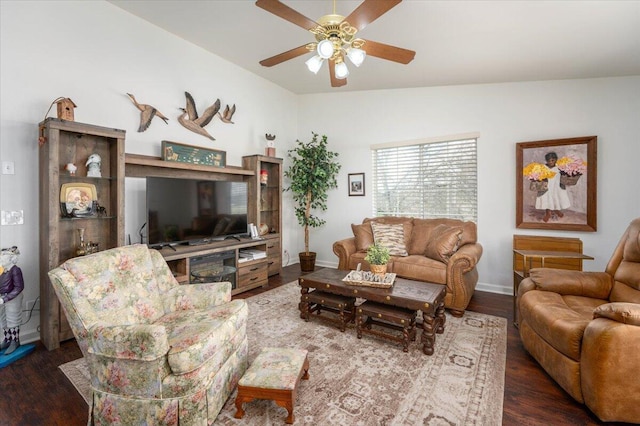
(194, 211)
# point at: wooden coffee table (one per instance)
(409, 294)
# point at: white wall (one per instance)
(503, 114)
(94, 53)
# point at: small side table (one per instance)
(541, 255)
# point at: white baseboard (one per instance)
(29, 337)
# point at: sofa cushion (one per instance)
(559, 320)
(363, 235)
(390, 236)
(196, 336)
(443, 242)
(419, 268)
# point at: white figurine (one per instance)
(71, 168)
(93, 166)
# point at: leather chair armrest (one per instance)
(197, 296)
(576, 283)
(344, 249)
(140, 342)
(626, 313)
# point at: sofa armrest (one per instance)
(575, 283)
(626, 313)
(466, 257)
(344, 249)
(139, 342)
(197, 296)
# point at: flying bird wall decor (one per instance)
(228, 114)
(190, 119)
(147, 112)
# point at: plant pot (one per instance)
(307, 261)
(379, 269)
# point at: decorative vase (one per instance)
(379, 269)
(81, 249)
(307, 261)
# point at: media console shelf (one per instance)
(249, 274)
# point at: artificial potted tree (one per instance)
(378, 257)
(312, 174)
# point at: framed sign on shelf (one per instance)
(174, 151)
(556, 184)
(356, 184)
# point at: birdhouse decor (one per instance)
(65, 109)
(270, 150)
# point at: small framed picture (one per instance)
(356, 184)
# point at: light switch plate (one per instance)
(12, 217)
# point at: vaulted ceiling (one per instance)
(456, 42)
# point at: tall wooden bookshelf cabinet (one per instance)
(265, 204)
(65, 142)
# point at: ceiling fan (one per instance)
(335, 38)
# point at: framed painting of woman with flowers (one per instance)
(556, 184)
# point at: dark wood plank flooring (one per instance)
(33, 390)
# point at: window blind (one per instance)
(427, 180)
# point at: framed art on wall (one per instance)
(556, 184)
(356, 184)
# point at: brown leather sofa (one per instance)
(584, 330)
(442, 251)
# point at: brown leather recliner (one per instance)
(584, 330)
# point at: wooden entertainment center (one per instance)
(264, 207)
(64, 142)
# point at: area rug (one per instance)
(370, 381)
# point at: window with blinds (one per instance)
(426, 180)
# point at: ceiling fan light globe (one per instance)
(356, 56)
(341, 70)
(314, 63)
(325, 49)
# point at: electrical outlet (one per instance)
(286, 252)
(8, 168)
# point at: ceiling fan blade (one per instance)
(369, 11)
(335, 82)
(286, 13)
(388, 52)
(285, 56)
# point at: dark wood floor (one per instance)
(33, 390)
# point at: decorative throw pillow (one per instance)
(391, 237)
(443, 242)
(364, 236)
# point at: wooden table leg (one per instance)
(441, 318)
(240, 400)
(304, 305)
(428, 335)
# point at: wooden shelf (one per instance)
(265, 204)
(72, 142)
(144, 165)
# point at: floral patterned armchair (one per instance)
(158, 352)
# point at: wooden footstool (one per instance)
(317, 301)
(391, 317)
(274, 374)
